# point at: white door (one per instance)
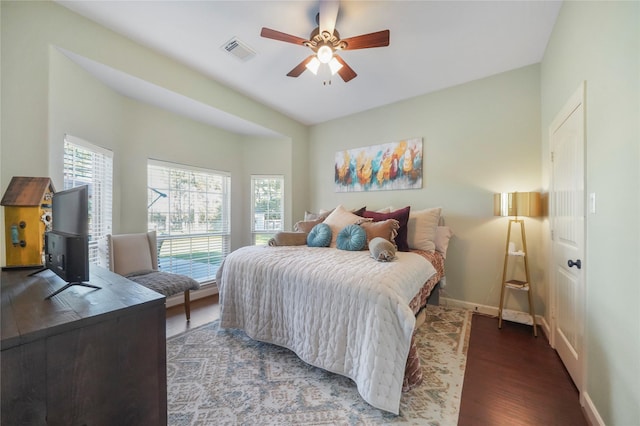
(567, 200)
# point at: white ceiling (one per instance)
(433, 45)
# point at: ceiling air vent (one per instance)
(239, 49)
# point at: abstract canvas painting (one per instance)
(394, 165)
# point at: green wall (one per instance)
(478, 138)
(82, 106)
(45, 95)
(599, 42)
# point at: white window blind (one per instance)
(88, 164)
(189, 208)
(267, 201)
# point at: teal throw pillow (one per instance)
(319, 236)
(352, 238)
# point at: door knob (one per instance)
(577, 263)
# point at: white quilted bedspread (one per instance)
(338, 310)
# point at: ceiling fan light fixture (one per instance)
(324, 41)
(313, 65)
(334, 65)
(325, 54)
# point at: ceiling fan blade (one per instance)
(280, 36)
(345, 72)
(328, 12)
(301, 67)
(377, 39)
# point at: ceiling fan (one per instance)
(325, 42)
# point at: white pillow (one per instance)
(443, 235)
(421, 228)
(338, 219)
(314, 216)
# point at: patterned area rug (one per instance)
(220, 377)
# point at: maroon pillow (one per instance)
(402, 216)
(359, 211)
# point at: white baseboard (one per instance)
(593, 417)
(507, 314)
(178, 299)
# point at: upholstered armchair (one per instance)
(135, 256)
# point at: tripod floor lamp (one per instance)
(517, 204)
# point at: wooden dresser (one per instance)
(84, 357)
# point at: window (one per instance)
(267, 213)
(189, 208)
(88, 164)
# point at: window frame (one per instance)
(172, 254)
(260, 237)
(100, 192)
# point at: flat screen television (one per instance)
(67, 244)
(70, 211)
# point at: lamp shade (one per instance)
(313, 65)
(517, 204)
(334, 66)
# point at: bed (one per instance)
(339, 310)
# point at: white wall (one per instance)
(478, 138)
(599, 42)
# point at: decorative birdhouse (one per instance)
(27, 215)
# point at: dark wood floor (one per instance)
(203, 311)
(514, 378)
(511, 378)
